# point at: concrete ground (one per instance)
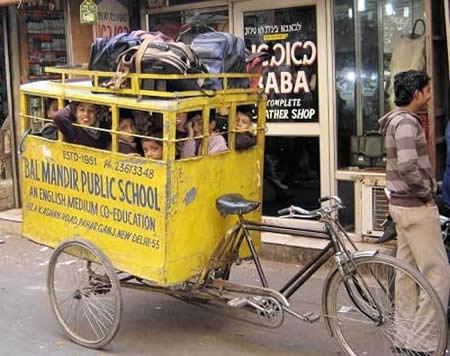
(155, 324)
(152, 324)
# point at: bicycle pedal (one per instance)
(237, 302)
(310, 317)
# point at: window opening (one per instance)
(367, 35)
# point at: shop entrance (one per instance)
(7, 194)
(298, 161)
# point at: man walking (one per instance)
(410, 182)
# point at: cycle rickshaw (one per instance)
(177, 226)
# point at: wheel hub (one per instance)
(77, 294)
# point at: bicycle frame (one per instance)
(334, 232)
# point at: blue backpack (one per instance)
(221, 52)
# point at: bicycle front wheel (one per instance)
(384, 307)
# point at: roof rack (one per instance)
(134, 82)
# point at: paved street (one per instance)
(152, 324)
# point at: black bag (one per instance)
(221, 52)
(368, 150)
(105, 52)
(158, 57)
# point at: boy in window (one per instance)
(193, 146)
(152, 148)
(49, 130)
(127, 144)
(81, 114)
(246, 139)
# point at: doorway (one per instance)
(298, 157)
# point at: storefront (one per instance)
(8, 198)
(34, 34)
(328, 81)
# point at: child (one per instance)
(82, 114)
(193, 146)
(152, 148)
(49, 130)
(181, 132)
(244, 140)
(127, 144)
(51, 108)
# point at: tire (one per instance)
(368, 323)
(84, 293)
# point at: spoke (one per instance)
(90, 323)
(368, 322)
(103, 310)
(101, 326)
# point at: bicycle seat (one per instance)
(235, 204)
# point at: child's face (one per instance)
(52, 109)
(152, 149)
(212, 126)
(86, 114)
(127, 125)
(181, 121)
(197, 125)
(243, 122)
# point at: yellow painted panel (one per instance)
(115, 201)
(194, 226)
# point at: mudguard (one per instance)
(331, 274)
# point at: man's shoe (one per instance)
(409, 352)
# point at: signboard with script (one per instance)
(290, 76)
(112, 18)
(88, 12)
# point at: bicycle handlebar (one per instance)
(285, 211)
(331, 197)
(292, 210)
(303, 213)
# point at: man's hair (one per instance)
(406, 84)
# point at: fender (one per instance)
(355, 256)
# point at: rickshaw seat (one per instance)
(229, 204)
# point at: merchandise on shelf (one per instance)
(45, 27)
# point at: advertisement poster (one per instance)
(112, 18)
(290, 76)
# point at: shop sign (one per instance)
(112, 18)
(88, 12)
(290, 76)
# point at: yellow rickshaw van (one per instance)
(152, 218)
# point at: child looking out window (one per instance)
(193, 146)
(152, 148)
(82, 114)
(246, 139)
(127, 144)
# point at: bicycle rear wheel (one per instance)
(84, 293)
(365, 318)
